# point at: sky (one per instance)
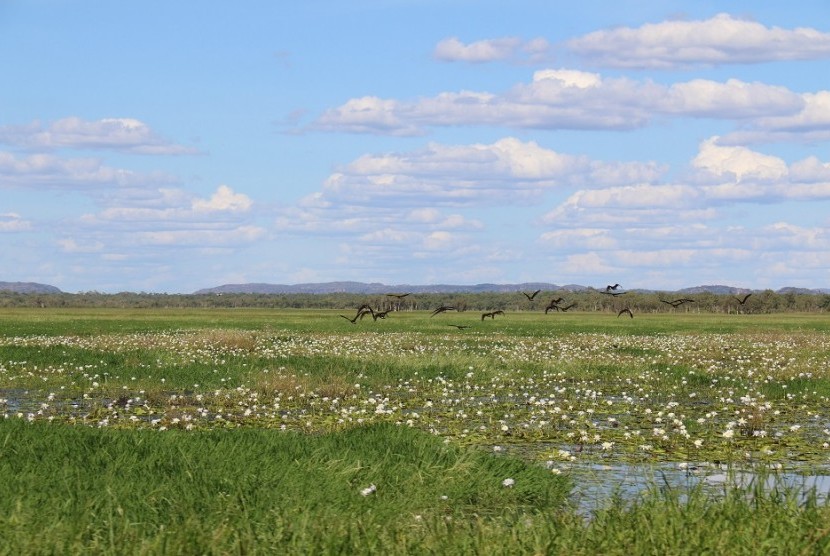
(157, 146)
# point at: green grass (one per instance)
(93, 491)
(254, 431)
(76, 489)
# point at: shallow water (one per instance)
(595, 485)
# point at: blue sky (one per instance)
(169, 146)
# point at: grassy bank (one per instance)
(379, 489)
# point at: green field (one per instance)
(262, 431)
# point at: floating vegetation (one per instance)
(748, 397)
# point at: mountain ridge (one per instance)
(379, 288)
(28, 287)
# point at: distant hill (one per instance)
(376, 288)
(28, 287)
(716, 289)
(730, 290)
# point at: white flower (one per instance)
(508, 483)
(368, 490)
(728, 433)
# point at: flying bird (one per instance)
(460, 326)
(380, 314)
(491, 314)
(398, 295)
(614, 287)
(530, 296)
(626, 310)
(362, 311)
(742, 301)
(442, 309)
(678, 302)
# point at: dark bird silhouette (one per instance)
(554, 305)
(491, 314)
(442, 309)
(398, 295)
(352, 320)
(614, 287)
(626, 310)
(530, 296)
(566, 307)
(460, 326)
(742, 301)
(362, 311)
(381, 314)
(678, 302)
(611, 292)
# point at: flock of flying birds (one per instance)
(554, 305)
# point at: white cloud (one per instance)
(201, 237)
(225, 199)
(583, 238)
(145, 227)
(739, 162)
(809, 170)
(783, 235)
(721, 39)
(656, 257)
(367, 115)
(453, 50)
(809, 125)
(508, 170)
(121, 134)
(491, 50)
(46, 170)
(69, 245)
(572, 99)
(733, 99)
(13, 222)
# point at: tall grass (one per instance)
(73, 490)
(372, 490)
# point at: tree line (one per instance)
(766, 301)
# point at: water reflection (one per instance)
(596, 485)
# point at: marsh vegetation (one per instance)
(144, 431)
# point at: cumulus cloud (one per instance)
(740, 162)
(572, 99)
(225, 199)
(811, 124)
(508, 170)
(722, 39)
(734, 99)
(787, 236)
(489, 50)
(120, 134)
(46, 170)
(13, 222)
(127, 227)
(718, 175)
